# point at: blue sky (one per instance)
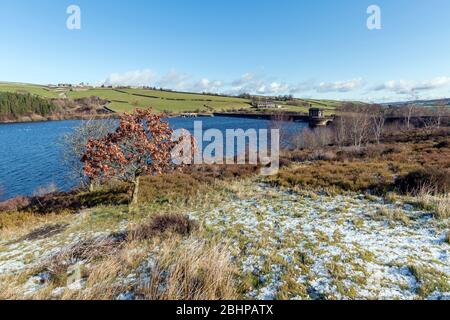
(319, 48)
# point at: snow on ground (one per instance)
(333, 247)
(292, 246)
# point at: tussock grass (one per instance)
(429, 280)
(87, 251)
(166, 249)
(102, 277)
(397, 215)
(180, 268)
(192, 270)
(439, 205)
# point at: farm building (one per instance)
(264, 104)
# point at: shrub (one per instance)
(434, 179)
(442, 144)
(162, 223)
(114, 194)
(348, 176)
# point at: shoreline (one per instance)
(62, 118)
(247, 115)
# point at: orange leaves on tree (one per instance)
(140, 145)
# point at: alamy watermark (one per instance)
(73, 22)
(374, 19)
(255, 147)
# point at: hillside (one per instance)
(22, 106)
(128, 99)
(421, 103)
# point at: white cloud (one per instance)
(174, 80)
(340, 86)
(171, 80)
(247, 83)
(244, 80)
(411, 87)
(258, 84)
(131, 78)
(206, 85)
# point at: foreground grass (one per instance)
(232, 239)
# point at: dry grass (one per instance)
(102, 277)
(169, 188)
(187, 269)
(16, 224)
(399, 165)
(87, 251)
(429, 280)
(347, 176)
(397, 215)
(192, 270)
(166, 249)
(438, 204)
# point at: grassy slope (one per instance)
(126, 100)
(28, 88)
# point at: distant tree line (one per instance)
(16, 104)
(357, 125)
(288, 97)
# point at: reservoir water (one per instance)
(30, 156)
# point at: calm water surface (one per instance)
(30, 156)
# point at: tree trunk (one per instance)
(135, 192)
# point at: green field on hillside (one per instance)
(126, 100)
(41, 91)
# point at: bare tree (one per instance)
(286, 127)
(441, 111)
(408, 112)
(341, 131)
(378, 118)
(357, 123)
(312, 138)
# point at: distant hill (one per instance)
(422, 103)
(127, 99)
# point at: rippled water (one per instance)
(30, 156)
